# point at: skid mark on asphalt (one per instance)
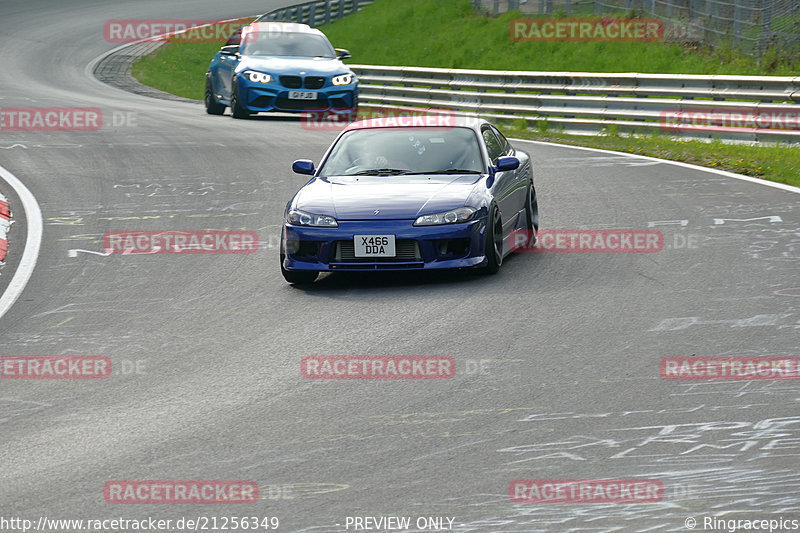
(780, 320)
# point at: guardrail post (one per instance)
(766, 28)
(496, 7)
(312, 15)
(327, 11)
(737, 22)
(340, 12)
(569, 7)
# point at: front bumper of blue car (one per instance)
(417, 247)
(273, 96)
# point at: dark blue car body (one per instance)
(364, 204)
(283, 67)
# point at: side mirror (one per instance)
(230, 50)
(303, 166)
(341, 53)
(235, 38)
(506, 163)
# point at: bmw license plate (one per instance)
(302, 95)
(374, 245)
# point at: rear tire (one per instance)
(493, 246)
(212, 106)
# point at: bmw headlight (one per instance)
(301, 218)
(257, 77)
(344, 79)
(454, 216)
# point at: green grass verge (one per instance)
(770, 162)
(177, 68)
(448, 34)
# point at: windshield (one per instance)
(394, 151)
(273, 43)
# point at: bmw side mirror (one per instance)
(303, 166)
(506, 163)
(235, 38)
(341, 53)
(230, 50)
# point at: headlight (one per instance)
(301, 218)
(344, 79)
(462, 214)
(257, 77)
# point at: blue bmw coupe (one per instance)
(280, 66)
(430, 194)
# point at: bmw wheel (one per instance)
(238, 110)
(212, 106)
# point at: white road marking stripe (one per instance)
(33, 216)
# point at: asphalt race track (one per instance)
(557, 356)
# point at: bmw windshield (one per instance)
(283, 44)
(404, 151)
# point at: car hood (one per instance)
(395, 197)
(293, 65)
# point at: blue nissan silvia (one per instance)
(280, 66)
(427, 194)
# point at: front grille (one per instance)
(315, 82)
(291, 82)
(299, 105)
(405, 250)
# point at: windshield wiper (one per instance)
(448, 171)
(379, 171)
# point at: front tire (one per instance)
(296, 277)
(299, 277)
(238, 110)
(493, 246)
(532, 215)
(212, 106)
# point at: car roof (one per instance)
(282, 27)
(430, 118)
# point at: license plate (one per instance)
(302, 95)
(374, 245)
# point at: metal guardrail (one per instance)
(315, 13)
(592, 103)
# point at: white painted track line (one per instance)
(33, 242)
